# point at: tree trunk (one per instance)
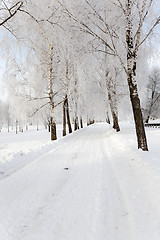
(53, 130)
(68, 115)
(81, 122)
(51, 78)
(8, 125)
(20, 129)
(148, 116)
(107, 119)
(147, 119)
(149, 112)
(16, 126)
(64, 118)
(115, 122)
(138, 118)
(76, 124)
(90, 122)
(131, 72)
(114, 113)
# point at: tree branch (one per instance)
(18, 6)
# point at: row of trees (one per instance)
(80, 56)
(22, 116)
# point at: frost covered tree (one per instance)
(63, 59)
(8, 9)
(66, 90)
(112, 98)
(109, 80)
(153, 98)
(123, 39)
(43, 42)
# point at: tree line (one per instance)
(80, 61)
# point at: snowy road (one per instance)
(92, 187)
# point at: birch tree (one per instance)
(123, 40)
(153, 98)
(44, 43)
(7, 11)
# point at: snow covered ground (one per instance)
(91, 185)
(12, 143)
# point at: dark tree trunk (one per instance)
(135, 101)
(90, 122)
(149, 113)
(114, 113)
(16, 127)
(107, 119)
(8, 125)
(45, 125)
(138, 118)
(20, 129)
(131, 77)
(81, 122)
(49, 127)
(68, 116)
(147, 119)
(51, 96)
(76, 124)
(53, 130)
(64, 118)
(115, 121)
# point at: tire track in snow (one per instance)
(74, 208)
(121, 215)
(36, 173)
(33, 156)
(91, 204)
(90, 201)
(141, 187)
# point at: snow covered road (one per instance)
(93, 186)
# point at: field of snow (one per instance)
(12, 143)
(91, 185)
